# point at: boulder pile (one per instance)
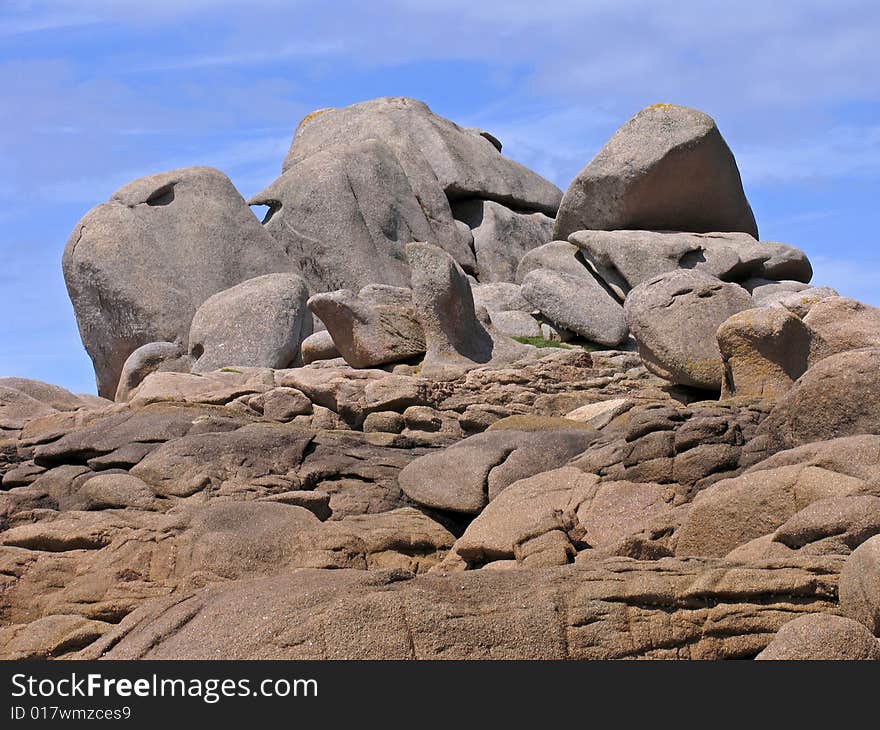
(432, 407)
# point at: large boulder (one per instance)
(162, 357)
(376, 326)
(733, 511)
(557, 255)
(627, 258)
(836, 397)
(674, 318)
(764, 351)
(432, 151)
(860, 585)
(138, 266)
(822, 636)
(501, 236)
(667, 168)
(455, 339)
(345, 214)
(841, 324)
(258, 323)
(577, 303)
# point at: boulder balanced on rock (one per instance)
(667, 168)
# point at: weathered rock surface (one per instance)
(136, 237)
(258, 323)
(625, 259)
(860, 585)
(432, 150)
(455, 339)
(764, 351)
(163, 357)
(840, 324)
(579, 304)
(667, 168)
(376, 326)
(674, 318)
(822, 637)
(501, 236)
(838, 396)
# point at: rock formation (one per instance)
(454, 464)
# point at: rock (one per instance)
(763, 351)
(111, 491)
(766, 291)
(216, 388)
(383, 422)
(559, 256)
(318, 503)
(465, 476)
(374, 327)
(849, 521)
(674, 318)
(517, 324)
(501, 236)
(799, 303)
(600, 414)
(199, 461)
(258, 323)
(53, 396)
(667, 168)
(696, 609)
(821, 636)
(540, 423)
(836, 397)
(499, 296)
(282, 404)
(17, 408)
(50, 637)
(318, 346)
(840, 324)
(455, 339)
(431, 150)
(625, 259)
(150, 358)
(346, 212)
(136, 237)
(579, 304)
(733, 511)
(860, 585)
(538, 505)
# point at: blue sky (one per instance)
(98, 92)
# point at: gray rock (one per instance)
(579, 304)
(53, 396)
(345, 214)
(557, 255)
(150, 358)
(627, 258)
(667, 168)
(138, 266)
(822, 636)
(318, 346)
(501, 236)
(515, 323)
(860, 585)
(836, 397)
(430, 149)
(499, 297)
(767, 291)
(764, 351)
(455, 339)
(374, 327)
(465, 476)
(674, 318)
(258, 323)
